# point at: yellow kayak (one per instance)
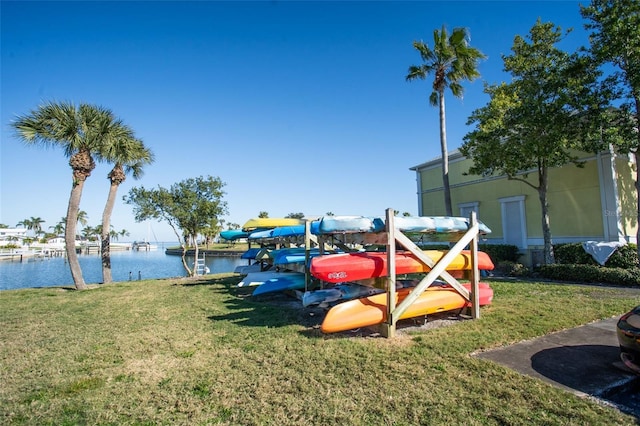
(270, 222)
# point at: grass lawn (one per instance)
(201, 352)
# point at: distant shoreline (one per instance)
(191, 252)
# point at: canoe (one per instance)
(350, 224)
(263, 223)
(254, 279)
(337, 268)
(247, 269)
(285, 281)
(233, 234)
(251, 253)
(372, 310)
(436, 225)
(410, 225)
(284, 231)
(346, 291)
(292, 255)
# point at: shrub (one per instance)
(512, 269)
(624, 257)
(500, 252)
(591, 274)
(573, 253)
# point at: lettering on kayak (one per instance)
(337, 275)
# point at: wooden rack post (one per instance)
(388, 328)
(438, 269)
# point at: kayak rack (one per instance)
(438, 269)
(391, 235)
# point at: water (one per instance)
(125, 266)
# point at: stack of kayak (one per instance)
(346, 281)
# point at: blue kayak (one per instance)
(287, 281)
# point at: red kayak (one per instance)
(343, 267)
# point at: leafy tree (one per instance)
(79, 131)
(3, 226)
(263, 214)
(616, 40)
(188, 206)
(295, 215)
(451, 61)
(536, 121)
(129, 156)
(210, 231)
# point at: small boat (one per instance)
(282, 282)
(372, 310)
(143, 246)
(233, 234)
(411, 225)
(342, 267)
(346, 291)
(263, 223)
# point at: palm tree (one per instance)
(25, 223)
(36, 225)
(58, 228)
(79, 131)
(83, 218)
(129, 155)
(451, 60)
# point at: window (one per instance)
(467, 208)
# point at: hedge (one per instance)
(591, 274)
(625, 257)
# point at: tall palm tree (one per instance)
(58, 228)
(129, 156)
(79, 131)
(36, 225)
(83, 218)
(451, 61)
(25, 223)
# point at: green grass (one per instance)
(200, 352)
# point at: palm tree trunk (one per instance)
(105, 250)
(70, 234)
(445, 156)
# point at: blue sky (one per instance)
(297, 106)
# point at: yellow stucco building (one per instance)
(593, 203)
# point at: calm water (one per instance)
(125, 266)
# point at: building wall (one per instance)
(581, 201)
(627, 174)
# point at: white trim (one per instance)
(609, 197)
(419, 184)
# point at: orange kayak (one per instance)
(372, 310)
(343, 267)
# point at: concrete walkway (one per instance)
(584, 360)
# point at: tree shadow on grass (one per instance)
(224, 281)
(284, 309)
(268, 310)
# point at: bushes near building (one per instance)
(574, 264)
